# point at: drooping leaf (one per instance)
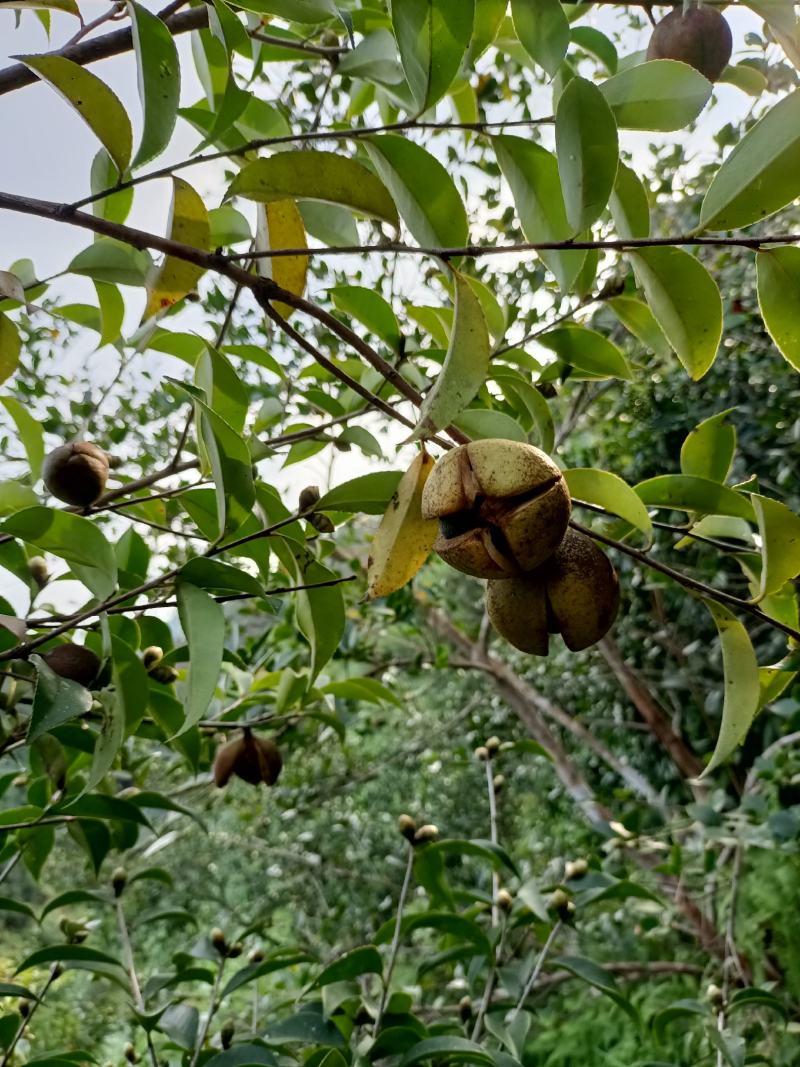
(590, 972)
(609, 491)
(543, 31)
(432, 37)
(630, 207)
(685, 301)
(741, 684)
(188, 225)
(779, 529)
(404, 540)
(661, 95)
(637, 318)
(708, 450)
(587, 147)
(456, 926)
(203, 623)
(779, 299)
(466, 363)
(10, 347)
(97, 105)
(424, 192)
(320, 615)
(280, 225)
(762, 173)
(311, 175)
(69, 954)
(159, 79)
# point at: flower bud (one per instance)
(465, 1009)
(130, 1053)
(482, 753)
(119, 879)
(715, 995)
(308, 497)
(227, 1034)
(575, 869)
(492, 745)
(504, 900)
(407, 827)
(39, 571)
(218, 940)
(498, 782)
(426, 833)
(152, 656)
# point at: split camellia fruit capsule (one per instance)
(502, 506)
(253, 759)
(700, 37)
(576, 594)
(76, 473)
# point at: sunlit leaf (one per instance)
(779, 529)
(404, 540)
(188, 225)
(543, 31)
(609, 491)
(159, 79)
(10, 347)
(660, 95)
(280, 225)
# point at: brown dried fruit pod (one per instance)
(503, 507)
(700, 37)
(76, 473)
(76, 662)
(576, 594)
(253, 759)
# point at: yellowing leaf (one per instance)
(10, 346)
(189, 225)
(779, 529)
(404, 539)
(280, 225)
(742, 686)
(98, 106)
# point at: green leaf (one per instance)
(72, 896)
(543, 31)
(762, 173)
(231, 468)
(637, 317)
(685, 301)
(216, 577)
(369, 494)
(741, 686)
(779, 529)
(18, 906)
(11, 989)
(112, 312)
(756, 998)
(320, 615)
(493, 854)
(532, 175)
(587, 147)
(432, 37)
(457, 926)
(629, 204)
(523, 396)
(104, 175)
(367, 689)
(109, 261)
(363, 960)
(586, 350)
(10, 347)
(683, 492)
(708, 450)
(598, 44)
(466, 363)
(66, 954)
(589, 972)
(71, 538)
(485, 423)
(242, 1055)
(203, 623)
(370, 309)
(159, 79)
(310, 175)
(779, 299)
(450, 1047)
(609, 491)
(98, 106)
(180, 1022)
(293, 10)
(188, 224)
(56, 700)
(661, 95)
(424, 192)
(14, 496)
(254, 971)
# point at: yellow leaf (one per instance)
(280, 225)
(188, 224)
(10, 346)
(404, 539)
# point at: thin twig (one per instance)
(395, 946)
(136, 989)
(55, 971)
(212, 1010)
(493, 835)
(490, 979)
(535, 972)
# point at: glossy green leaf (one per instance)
(466, 363)
(56, 700)
(71, 538)
(493, 854)
(370, 309)
(485, 423)
(104, 175)
(98, 106)
(112, 312)
(363, 960)
(109, 261)
(188, 224)
(254, 971)
(203, 623)
(432, 36)
(746, 78)
(320, 615)
(216, 577)
(685, 301)
(741, 685)
(708, 450)
(587, 351)
(532, 175)
(543, 31)
(597, 44)
(311, 175)
(779, 299)
(159, 79)
(10, 347)
(629, 204)
(424, 192)
(14, 496)
(526, 397)
(779, 529)
(683, 492)
(368, 494)
(231, 468)
(587, 147)
(661, 95)
(450, 1047)
(609, 491)
(66, 954)
(639, 320)
(762, 173)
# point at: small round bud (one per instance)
(39, 571)
(465, 1009)
(308, 497)
(504, 900)
(152, 656)
(492, 745)
(130, 1053)
(119, 879)
(575, 869)
(56, 971)
(236, 949)
(227, 1033)
(255, 955)
(407, 827)
(715, 995)
(498, 783)
(426, 833)
(560, 903)
(217, 938)
(482, 753)
(164, 675)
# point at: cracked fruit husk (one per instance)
(253, 759)
(503, 507)
(701, 37)
(76, 473)
(575, 593)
